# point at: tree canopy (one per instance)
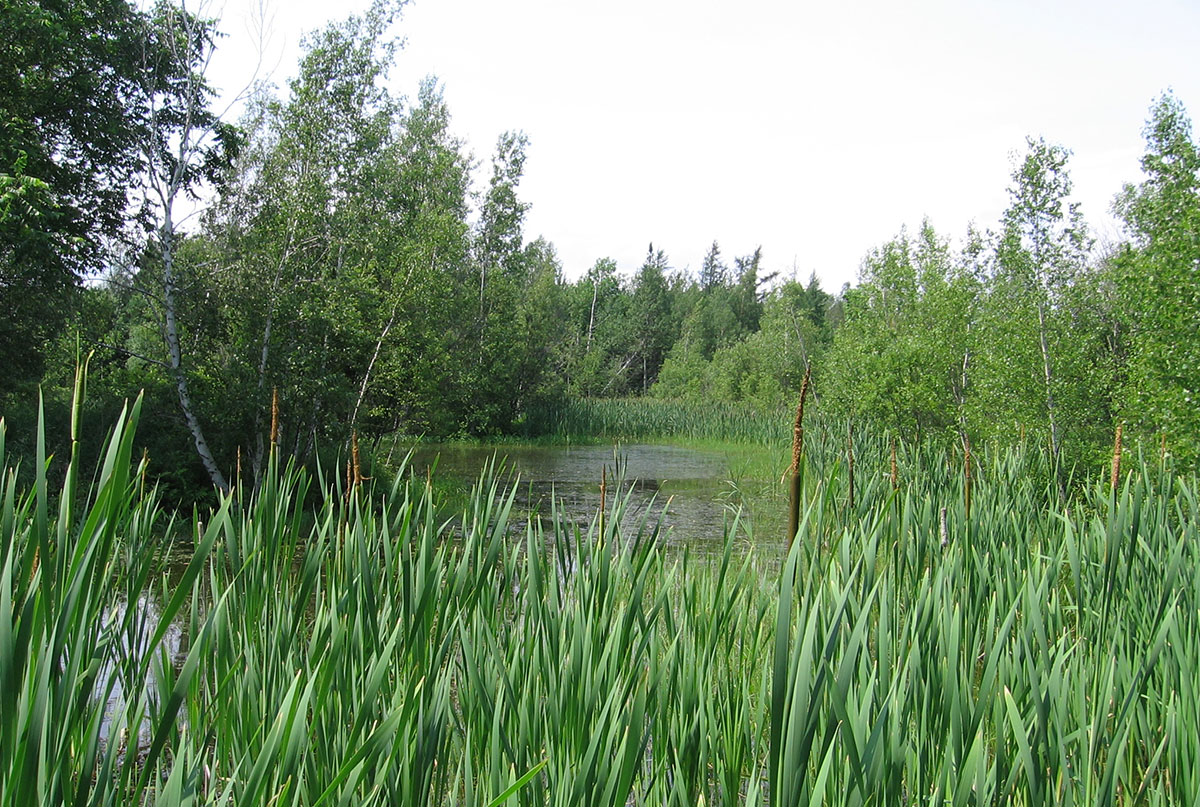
(356, 269)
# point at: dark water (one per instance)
(692, 491)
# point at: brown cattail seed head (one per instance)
(274, 416)
(798, 428)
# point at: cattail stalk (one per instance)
(797, 465)
(274, 418)
(358, 475)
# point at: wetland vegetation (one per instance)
(916, 644)
(298, 570)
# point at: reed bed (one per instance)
(362, 652)
(628, 419)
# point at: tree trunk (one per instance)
(167, 235)
(592, 318)
(362, 389)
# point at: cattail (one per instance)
(239, 463)
(798, 428)
(797, 452)
(358, 476)
(274, 417)
(349, 478)
(1116, 461)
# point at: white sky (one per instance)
(814, 129)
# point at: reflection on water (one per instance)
(688, 488)
(134, 650)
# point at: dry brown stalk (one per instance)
(274, 417)
(358, 475)
(797, 453)
(798, 428)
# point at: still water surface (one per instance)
(693, 491)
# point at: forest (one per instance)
(337, 261)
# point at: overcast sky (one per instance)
(815, 130)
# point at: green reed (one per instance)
(363, 651)
(626, 419)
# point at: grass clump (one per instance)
(629, 419)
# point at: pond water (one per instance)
(693, 491)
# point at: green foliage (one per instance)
(1028, 322)
(1014, 334)
(1158, 277)
(348, 269)
(908, 649)
(72, 118)
(763, 366)
(900, 357)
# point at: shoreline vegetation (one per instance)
(993, 592)
(916, 645)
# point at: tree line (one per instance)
(347, 273)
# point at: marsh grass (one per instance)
(367, 652)
(632, 419)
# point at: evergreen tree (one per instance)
(650, 311)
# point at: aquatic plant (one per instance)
(365, 652)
